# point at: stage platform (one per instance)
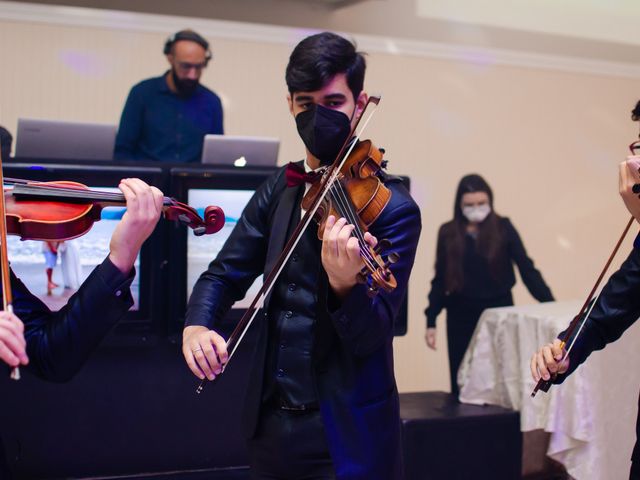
(443, 439)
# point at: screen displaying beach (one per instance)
(202, 250)
(71, 261)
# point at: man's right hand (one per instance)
(13, 347)
(204, 350)
(548, 360)
(629, 175)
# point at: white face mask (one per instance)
(476, 213)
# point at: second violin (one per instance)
(63, 210)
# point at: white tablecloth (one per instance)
(591, 416)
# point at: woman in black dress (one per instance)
(474, 268)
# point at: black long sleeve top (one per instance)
(479, 283)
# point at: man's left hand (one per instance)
(144, 206)
(341, 254)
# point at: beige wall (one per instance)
(412, 19)
(547, 141)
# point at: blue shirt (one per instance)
(158, 124)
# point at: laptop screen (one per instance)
(54, 139)
(240, 151)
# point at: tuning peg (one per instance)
(199, 231)
(361, 277)
(184, 219)
(372, 292)
(382, 245)
(392, 258)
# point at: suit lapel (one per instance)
(287, 213)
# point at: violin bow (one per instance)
(247, 319)
(7, 296)
(575, 327)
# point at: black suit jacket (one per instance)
(353, 355)
(617, 308)
(59, 343)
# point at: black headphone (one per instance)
(187, 35)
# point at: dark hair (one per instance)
(5, 143)
(189, 35)
(319, 58)
(489, 241)
(635, 113)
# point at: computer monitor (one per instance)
(81, 255)
(240, 151)
(53, 139)
(228, 188)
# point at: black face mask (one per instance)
(323, 131)
(185, 87)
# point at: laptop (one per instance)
(240, 151)
(55, 139)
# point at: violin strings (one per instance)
(25, 187)
(344, 205)
(348, 212)
(67, 192)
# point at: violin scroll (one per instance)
(376, 274)
(188, 216)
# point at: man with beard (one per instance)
(166, 118)
(322, 401)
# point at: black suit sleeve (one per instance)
(616, 309)
(363, 323)
(59, 343)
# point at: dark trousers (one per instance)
(5, 473)
(290, 445)
(635, 471)
(462, 318)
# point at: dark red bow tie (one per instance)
(296, 175)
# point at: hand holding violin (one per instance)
(144, 206)
(341, 254)
(12, 343)
(629, 184)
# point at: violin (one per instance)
(349, 188)
(359, 195)
(63, 210)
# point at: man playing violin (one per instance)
(616, 309)
(58, 343)
(55, 345)
(322, 400)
